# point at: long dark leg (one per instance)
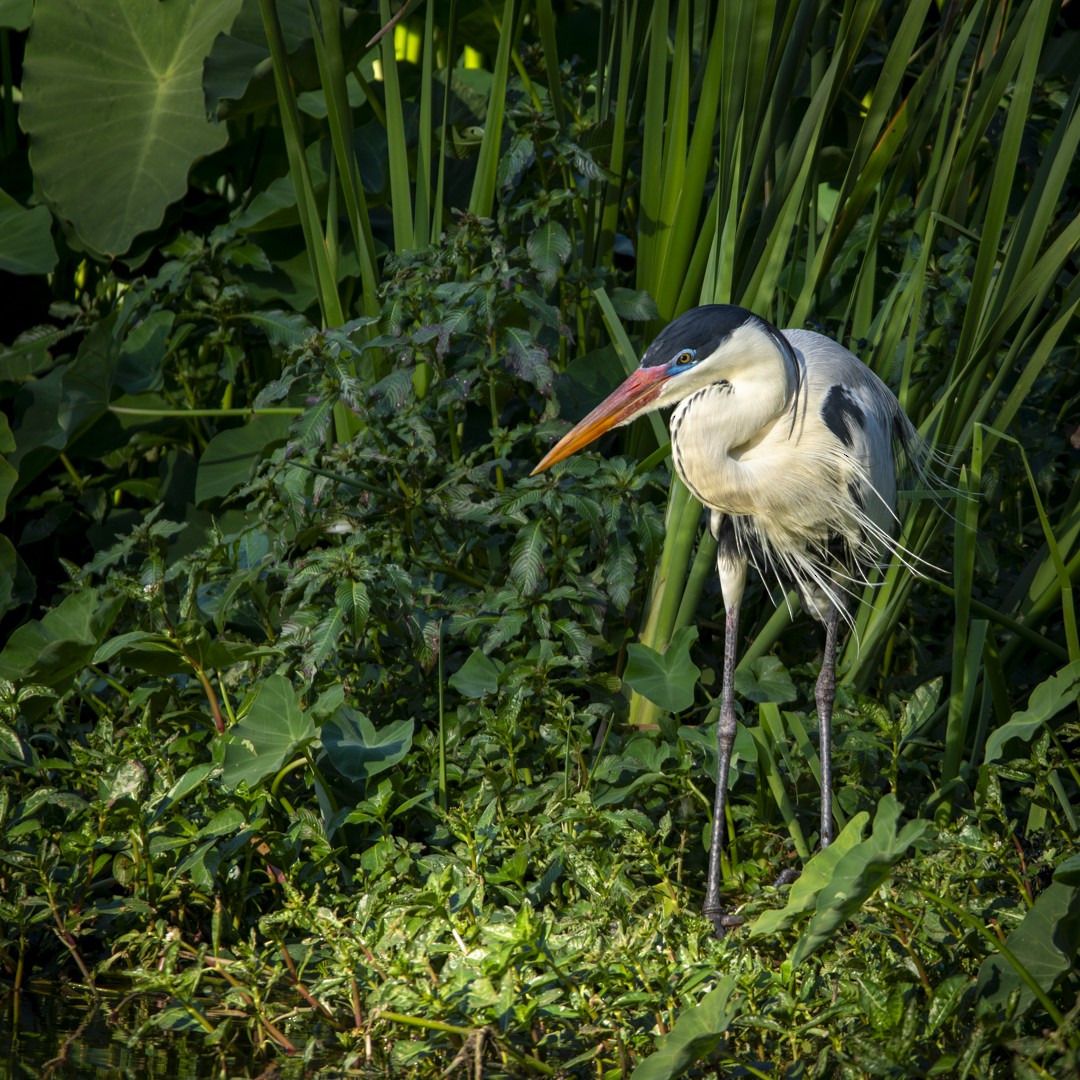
(725, 739)
(826, 695)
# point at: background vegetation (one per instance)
(328, 735)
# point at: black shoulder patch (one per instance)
(701, 328)
(841, 413)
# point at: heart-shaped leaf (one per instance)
(357, 750)
(274, 729)
(667, 679)
(137, 66)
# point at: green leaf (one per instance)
(143, 650)
(478, 676)
(140, 66)
(633, 304)
(1068, 872)
(1047, 943)
(1046, 701)
(697, 1032)
(857, 875)
(11, 746)
(194, 778)
(357, 750)
(16, 14)
(816, 874)
(286, 328)
(26, 243)
(231, 456)
(142, 354)
(667, 679)
(55, 410)
(129, 781)
(767, 680)
(549, 248)
(52, 650)
(526, 359)
(224, 822)
(238, 75)
(274, 730)
(526, 558)
(16, 581)
(202, 864)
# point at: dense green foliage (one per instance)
(328, 731)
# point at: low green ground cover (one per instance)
(335, 743)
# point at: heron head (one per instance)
(701, 347)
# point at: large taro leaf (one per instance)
(274, 729)
(16, 14)
(478, 676)
(52, 412)
(767, 680)
(16, 582)
(231, 455)
(113, 105)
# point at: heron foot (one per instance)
(722, 922)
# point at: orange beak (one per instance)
(620, 407)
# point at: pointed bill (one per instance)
(623, 404)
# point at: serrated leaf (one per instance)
(921, 705)
(325, 636)
(281, 327)
(619, 573)
(574, 636)
(361, 606)
(519, 155)
(527, 558)
(526, 359)
(549, 248)
(633, 304)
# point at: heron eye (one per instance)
(685, 358)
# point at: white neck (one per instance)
(728, 420)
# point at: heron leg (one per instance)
(825, 694)
(725, 740)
